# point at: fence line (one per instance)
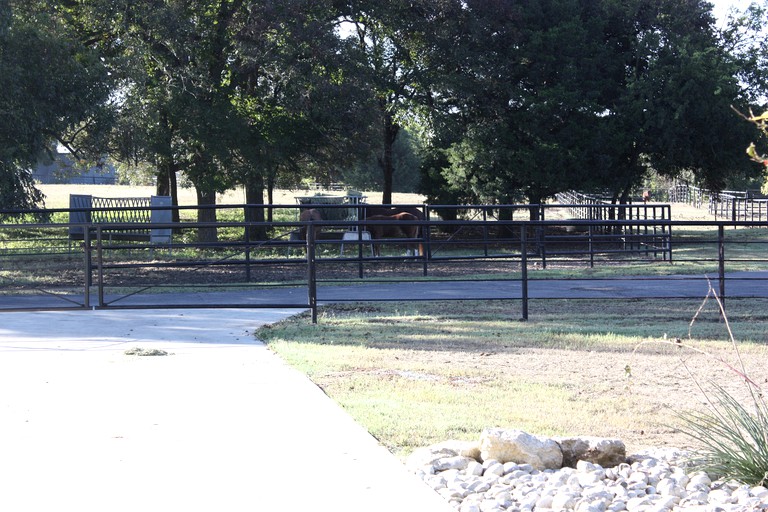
(477, 249)
(734, 205)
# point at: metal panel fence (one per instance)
(466, 252)
(734, 205)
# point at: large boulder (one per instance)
(597, 450)
(521, 448)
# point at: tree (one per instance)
(366, 174)
(52, 88)
(227, 91)
(172, 61)
(387, 38)
(745, 39)
(520, 98)
(681, 95)
(549, 95)
(290, 87)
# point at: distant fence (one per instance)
(735, 205)
(590, 207)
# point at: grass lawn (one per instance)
(57, 196)
(415, 374)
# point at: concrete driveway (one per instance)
(218, 424)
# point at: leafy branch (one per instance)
(761, 121)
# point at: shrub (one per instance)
(735, 439)
(735, 436)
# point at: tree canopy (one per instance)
(558, 94)
(53, 90)
(500, 100)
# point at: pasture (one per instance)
(57, 196)
(44, 259)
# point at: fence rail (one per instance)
(487, 252)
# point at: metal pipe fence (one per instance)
(734, 205)
(486, 253)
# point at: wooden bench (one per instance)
(86, 209)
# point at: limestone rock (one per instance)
(469, 449)
(438, 455)
(520, 447)
(606, 452)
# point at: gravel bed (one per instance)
(653, 481)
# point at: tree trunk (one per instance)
(254, 195)
(163, 186)
(206, 198)
(623, 200)
(174, 193)
(390, 130)
(505, 214)
(534, 206)
(270, 195)
(167, 167)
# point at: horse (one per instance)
(312, 214)
(367, 211)
(370, 211)
(394, 230)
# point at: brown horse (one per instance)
(367, 211)
(394, 230)
(306, 216)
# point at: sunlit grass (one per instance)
(418, 373)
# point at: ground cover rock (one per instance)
(653, 481)
(597, 450)
(520, 447)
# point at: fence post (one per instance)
(100, 265)
(248, 260)
(311, 272)
(721, 262)
(360, 228)
(524, 270)
(424, 233)
(87, 269)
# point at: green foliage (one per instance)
(735, 436)
(366, 174)
(744, 39)
(136, 174)
(52, 89)
(386, 43)
(560, 94)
